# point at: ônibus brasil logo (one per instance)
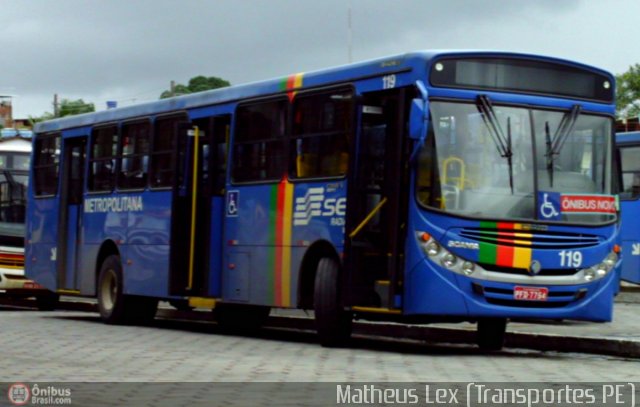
(19, 394)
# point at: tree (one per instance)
(196, 84)
(628, 92)
(66, 108)
(71, 107)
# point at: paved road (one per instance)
(76, 346)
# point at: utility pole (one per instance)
(172, 88)
(56, 110)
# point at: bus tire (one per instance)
(491, 333)
(47, 302)
(111, 302)
(333, 323)
(114, 306)
(241, 318)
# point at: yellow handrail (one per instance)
(368, 218)
(445, 164)
(194, 195)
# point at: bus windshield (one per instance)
(485, 161)
(13, 193)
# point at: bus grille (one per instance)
(524, 272)
(530, 239)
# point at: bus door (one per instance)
(196, 236)
(71, 210)
(378, 189)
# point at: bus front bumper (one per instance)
(13, 283)
(431, 291)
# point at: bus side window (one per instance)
(220, 150)
(165, 134)
(630, 157)
(46, 164)
(135, 155)
(102, 160)
(259, 152)
(321, 133)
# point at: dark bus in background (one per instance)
(628, 144)
(15, 156)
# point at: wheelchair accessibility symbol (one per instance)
(232, 203)
(549, 205)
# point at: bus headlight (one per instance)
(449, 260)
(433, 248)
(602, 269)
(610, 261)
(439, 255)
(589, 274)
(468, 268)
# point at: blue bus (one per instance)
(430, 186)
(629, 154)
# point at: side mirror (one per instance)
(418, 120)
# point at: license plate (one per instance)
(531, 293)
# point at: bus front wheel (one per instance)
(333, 323)
(115, 307)
(491, 333)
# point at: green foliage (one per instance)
(67, 108)
(628, 92)
(196, 84)
(71, 107)
(45, 116)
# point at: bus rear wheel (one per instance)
(115, 307)
(333, 323)
(491, 333)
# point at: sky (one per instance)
(129, 50)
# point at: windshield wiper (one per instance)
(562, 133)
(502, 143)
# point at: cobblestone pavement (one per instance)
(76, 346)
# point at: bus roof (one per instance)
(337, 74)
(628, 137)
(15, 144)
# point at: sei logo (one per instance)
(315, 204)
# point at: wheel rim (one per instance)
(109, 290)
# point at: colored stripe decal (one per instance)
(278, 241)
(293, 82)
(271, 255)
(280, 258)
(286, 244)
(506, 255)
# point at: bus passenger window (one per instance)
(630, 157)
(46, 164)
(321, 133)
(162, 156)
(102, 160)
(135, 155)
(259, 152)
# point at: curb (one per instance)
(522, 340)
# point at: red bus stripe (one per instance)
(279, 242)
